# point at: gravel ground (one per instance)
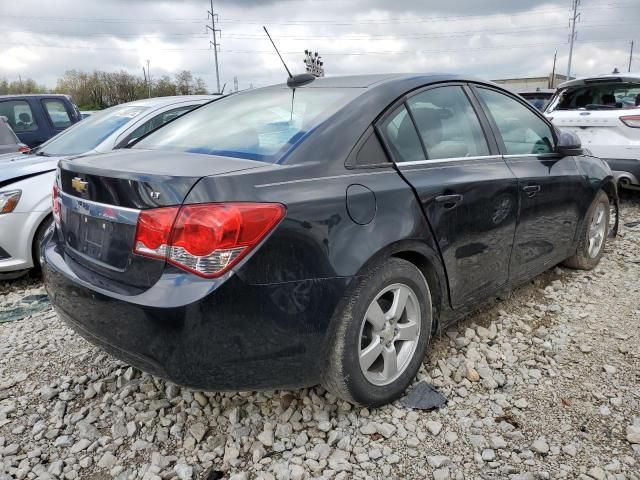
(545, 384)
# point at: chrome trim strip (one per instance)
(446, 160)
(98, 210)
(538, 155)
(387, 170)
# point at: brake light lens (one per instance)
(55, 208)
(22, 148)
(206, 239)
(632, 121)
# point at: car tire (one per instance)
(359, 361)
(593, 238)
(37, 241)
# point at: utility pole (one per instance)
(552, 82)
(572, 20)
(630, 56)
(213, 29)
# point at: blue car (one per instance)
(37, 118)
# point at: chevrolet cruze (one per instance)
(318, 232)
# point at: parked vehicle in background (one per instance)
(9, 143)
(37, 118)
(604, 112)
(26, 180)
(282, 237)
(539, 97)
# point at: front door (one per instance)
(550, 186)
(468, 194)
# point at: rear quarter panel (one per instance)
(318, 239)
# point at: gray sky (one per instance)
(488, 38)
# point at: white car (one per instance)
(604, 112)
(26, 181)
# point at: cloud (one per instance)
(490, 39)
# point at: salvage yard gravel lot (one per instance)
(543, 384)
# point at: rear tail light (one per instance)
(22, 148)
(55, 208)
(632, 121)
(206, 239)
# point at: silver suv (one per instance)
(604, 112)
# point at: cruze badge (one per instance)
(79, 185)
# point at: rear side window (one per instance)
(401, 136)
(600, 96)
(19, 115)
(57, 113)
(370, 153)
(522, 131)
(448, 124)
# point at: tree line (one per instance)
(97, 90)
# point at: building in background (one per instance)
(528, 84)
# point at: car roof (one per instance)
(608, 78)
(372, 80)
(162, 101)
(48, 95)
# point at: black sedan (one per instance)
(295, 235)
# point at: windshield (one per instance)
(259, 125)
(601, 96)
(90, 132)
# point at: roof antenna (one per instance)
(294, 80)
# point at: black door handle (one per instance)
(531, 190)
(449, 201)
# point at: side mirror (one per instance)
(568, 144)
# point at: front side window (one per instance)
(19, 115)
(90, 132)
(57, 113)
(258, 125)
(401, 136)
(522, 131)
(448, 124)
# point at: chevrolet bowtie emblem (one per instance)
(79, 185)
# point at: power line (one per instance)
(349, 37)
(379, 52)
(314, 21)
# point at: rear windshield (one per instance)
(90, 132)
(601, 96)
(258, 125)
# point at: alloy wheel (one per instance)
(389, 334)
(597, 230)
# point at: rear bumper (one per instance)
(233, 336)
(625, 170)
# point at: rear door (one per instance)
(550, 186)
(467, 192)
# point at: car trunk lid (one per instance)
(101, 197)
